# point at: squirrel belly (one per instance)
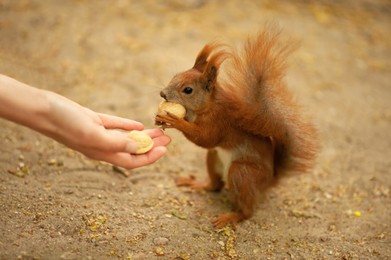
(223, 163)
(257, 153)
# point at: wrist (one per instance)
(48, 114)
(41, 119)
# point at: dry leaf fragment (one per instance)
(178, 215)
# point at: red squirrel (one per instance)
(246, 119)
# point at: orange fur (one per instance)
(249, 114)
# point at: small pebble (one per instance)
(160, 241)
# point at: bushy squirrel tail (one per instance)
(262, 104)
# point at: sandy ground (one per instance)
(115, 56)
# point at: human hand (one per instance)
(99, 136)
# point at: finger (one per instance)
(148, 158)
(130, 161)
(162, 140)
(153, 133)
(157, 135)
(113, 141)
(111, 122)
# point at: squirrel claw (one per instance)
(168, 120)
(163, 121)
(192, 183)
(222, 220)
(163, 125)
(172, 115)
(185, 181)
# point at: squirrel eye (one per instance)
(187, 90)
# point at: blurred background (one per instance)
(115, 56)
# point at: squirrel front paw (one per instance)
(163, 121)
(159, 121)
(195, 185)
(168, 121)
(190, 182)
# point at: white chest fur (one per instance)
(225, 157)
(244, 150)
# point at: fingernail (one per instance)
(131, 147)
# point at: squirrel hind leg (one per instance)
(246, 183)
(232, 218)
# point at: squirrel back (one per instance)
(261, 104)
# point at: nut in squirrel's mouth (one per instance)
(170, 109)
(176, 109)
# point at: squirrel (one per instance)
(246, 118)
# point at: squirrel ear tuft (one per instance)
(212, 67)
(211, 77)
(202, 57)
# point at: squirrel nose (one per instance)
(163, 95)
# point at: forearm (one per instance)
(23, 104)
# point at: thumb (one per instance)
(131, 147)
(115, 141)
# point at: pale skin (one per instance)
(98, 136)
